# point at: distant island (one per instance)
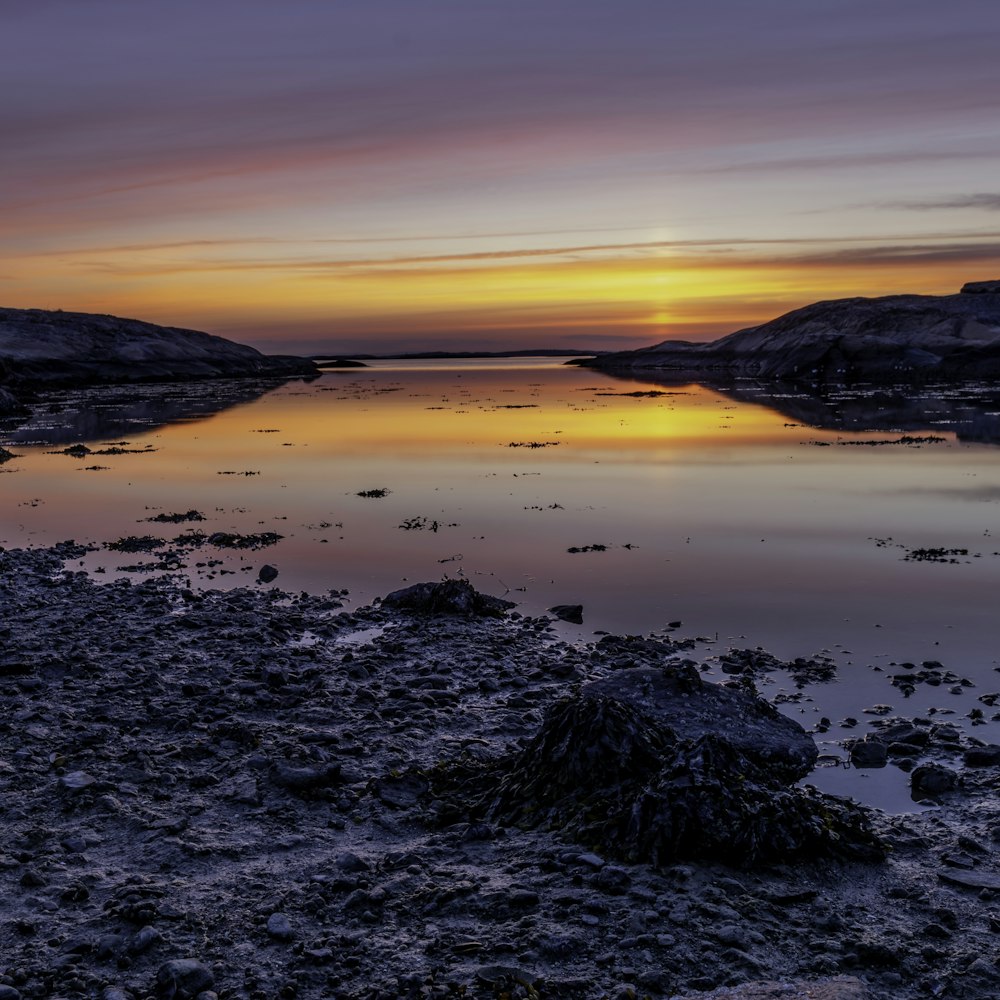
(341, 360)
(40, 347)
(893, 338)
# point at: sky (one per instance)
(339, 176)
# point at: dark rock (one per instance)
(183, 979)
(348, 862)
(987, 756)
(143, 940)
(971, 880)
(279, 927)
(869, 753)
(402, 791)
(981, 288)
(450, 597)
(671, 768)
(568, 613)
(305, 778)
(680, 701)
(267, 573)
(930, 780)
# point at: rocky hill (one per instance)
(39, 346)
(898, 337)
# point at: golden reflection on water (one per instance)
(724, 514)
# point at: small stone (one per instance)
(143, 940)
(971, 880)
(183, 979)
(267, 573)
(568, 613)
(348, 862)
(932, 779)
(523, 897)
(9, 993)
(279, 927)
(869, 753)
(76, 780)
(986, 756)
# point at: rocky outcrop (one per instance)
(449, 597)
(38, 346)
(655, 765)
(895, 338)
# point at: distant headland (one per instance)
(42, 347)
(893, 338)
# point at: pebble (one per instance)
(183, 979)
(279, 927)
(76, 781)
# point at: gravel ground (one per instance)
(225, 793)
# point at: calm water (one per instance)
(725, 511)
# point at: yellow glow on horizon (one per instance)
(643, 295)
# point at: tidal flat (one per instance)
(247, 793)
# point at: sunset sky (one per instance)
(375, 175)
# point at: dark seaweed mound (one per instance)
(618, 779)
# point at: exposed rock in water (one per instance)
(883, 339)
(656, 765)
(450, 597)
(568, 613)
(343, 363)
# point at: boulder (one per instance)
(930, 780)
(655, 765)
(568, 613)
(450, 597)
(869, 753)
(679, 700)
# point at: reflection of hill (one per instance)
(971, 411)
(110, 411)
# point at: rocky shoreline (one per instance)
(250, 794)
(41, 348)
(896, 338)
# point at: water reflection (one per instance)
(96, 413)
(971, 411)
(646, 502)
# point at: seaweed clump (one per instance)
(610, 773)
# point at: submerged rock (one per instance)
(450, 597)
